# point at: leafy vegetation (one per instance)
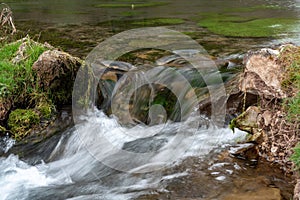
(21, 121)
(290, 59)
(18, 84)
(16, 76)
(296, 157)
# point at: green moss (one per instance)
(232, 124)
(21, 121)
(159, 21)
(238, 26)
(45, 109)
(129, 5)
(253, 8)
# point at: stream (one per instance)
(86, 161)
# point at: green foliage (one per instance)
(232, 124)
(240, 26)
(18, 84)
(21, 122)
(16, 77)
(296, 156)
(290, 59)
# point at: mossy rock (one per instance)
(247, 121)
(21, 122)
(56, 73)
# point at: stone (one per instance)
(56, 71)
(247, 121)
(262, 75)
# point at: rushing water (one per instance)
(70, 169)
(70, 165)
(75, 164)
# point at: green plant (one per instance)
(296, 156)
(21, 121)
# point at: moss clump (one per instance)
(159, 21)
(129, 5)
(45, 109)
(21, 121)
(232, 124)
(253, 8)
(238, 26)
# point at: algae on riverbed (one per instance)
(248, 21)
(238, 26)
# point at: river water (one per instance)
(78, 164)
(78, 26)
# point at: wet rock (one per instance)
(262, 194)
(56, 72)
(248, 120)
(5, 106)
(247, 151)
(262, 75)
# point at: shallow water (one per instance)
(78, 26)
(76, 166)
(80, 164)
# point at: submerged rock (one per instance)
(262, 194)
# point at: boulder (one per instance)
(56, 72)
(262, 75)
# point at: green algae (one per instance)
(238, 26)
